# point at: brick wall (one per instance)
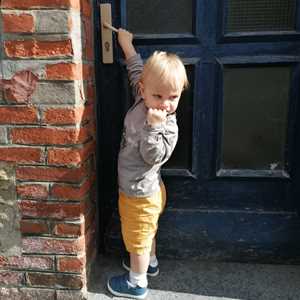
(49, 139)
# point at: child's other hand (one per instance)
(125, 40)
(156, 116)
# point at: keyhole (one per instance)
(106, 46)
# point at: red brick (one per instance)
(39, 49)
(32, 191)
(9, 277)
(64, 71)
(33, 227)
(64, 156)
(83, 205)
(91, 92)
(21, 154)
(64, 116)
(91, 252)
(69, 192)
(90, 218)
(89, 112)
(55, 280)
(49, 210)
(18, 23)
(30, 262)
(90, 236)
(53, 246)
(66, 229)
(51, 174)
(18, 115)
(68, 116)
(49, 136)
(69, 71)
(71, 264)
(86, 8)
(3, 261)
(28, 4)
(88, 47)
(88, 72)
(71, 157)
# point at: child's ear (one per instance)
(141, 89)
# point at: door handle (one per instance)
(106, 33)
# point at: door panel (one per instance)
(236, 164)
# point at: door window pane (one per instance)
(159, 16)
(260, 15)
(255, 108)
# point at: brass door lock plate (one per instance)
(106, 34)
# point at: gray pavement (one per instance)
(199, 280)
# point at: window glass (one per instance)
(159, 16)
(255, 108)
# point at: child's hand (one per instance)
(124, 37)
(156, 116)
(125, 40)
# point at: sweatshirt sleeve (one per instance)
(134, 67)
(158, 142)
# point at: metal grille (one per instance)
(260, 15)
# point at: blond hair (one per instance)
(166, 69)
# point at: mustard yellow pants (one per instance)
(139, 219)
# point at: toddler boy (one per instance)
(149, 138)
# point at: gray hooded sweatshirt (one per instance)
(144, 148)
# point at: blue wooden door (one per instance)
(233, 179)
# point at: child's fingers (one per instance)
(124, 32)
(157, 114)
(161, 112)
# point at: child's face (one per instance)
(158, 96)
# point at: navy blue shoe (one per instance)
(152, 271)
(120, 286)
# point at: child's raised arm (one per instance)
(125, 41)
(134, 64)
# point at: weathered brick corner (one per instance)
(47, 150)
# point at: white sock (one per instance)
(153, 261)
(139, 279)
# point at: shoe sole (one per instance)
(125, 295)
(149, 274)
